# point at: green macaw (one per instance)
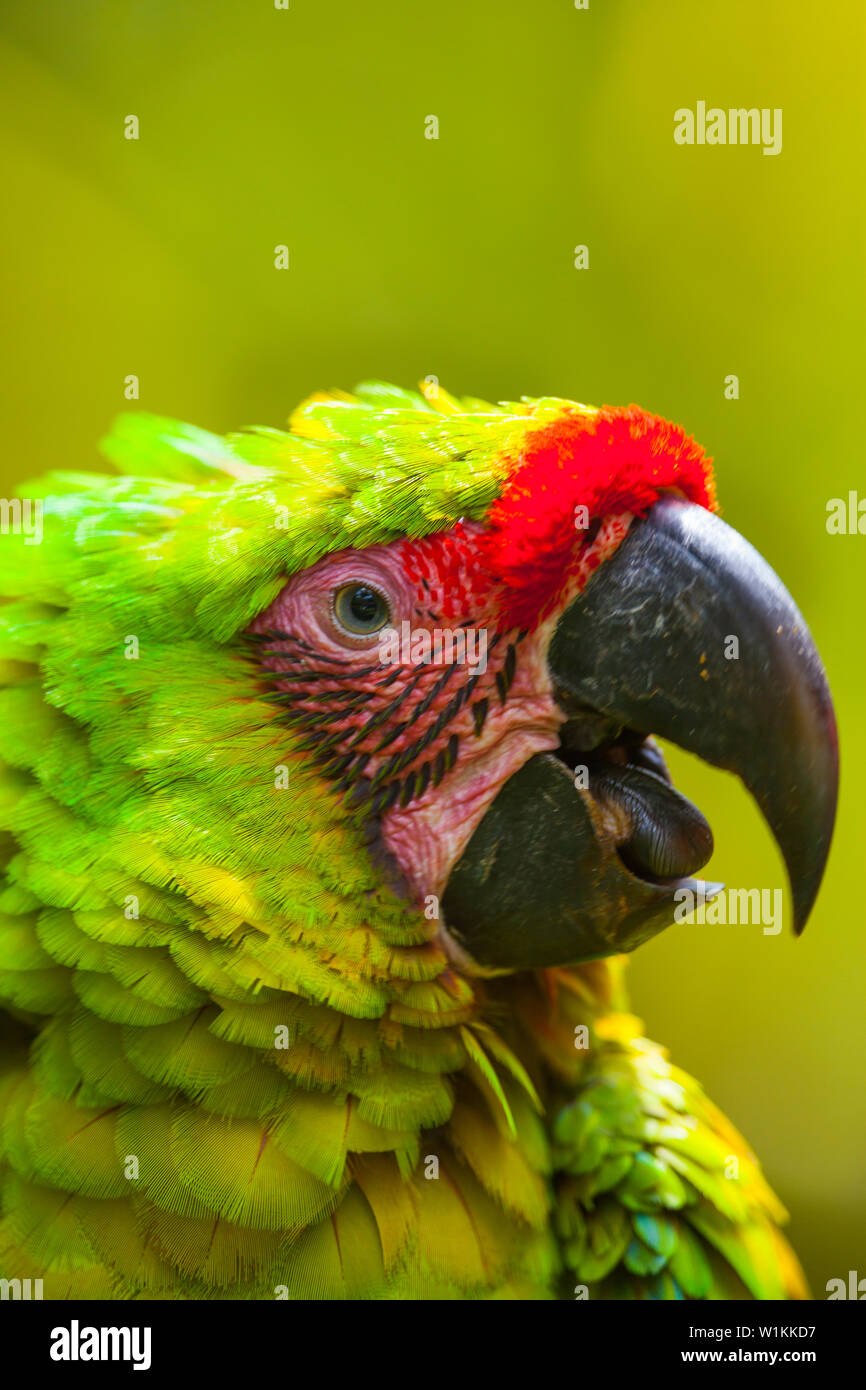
(330, 807)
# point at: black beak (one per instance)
(686, 633)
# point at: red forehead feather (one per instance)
(619, 459)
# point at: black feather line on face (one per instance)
(349, 697)
(479, 714)
(338, 758)
(337, 767)
(390, 736)
(390, 679)
(435, 689)
(305, 647)
(377, 720)
(310, 674)
(438, 767)
(359, 762)
(409, 789)
(510, 665)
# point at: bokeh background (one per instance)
(411, 256)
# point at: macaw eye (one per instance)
(360, 609)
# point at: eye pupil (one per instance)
(364, 605)
(360, 609)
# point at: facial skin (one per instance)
(427, 745)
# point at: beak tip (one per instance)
(804, 896)
(803, 905)
(807, 868)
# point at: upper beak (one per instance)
(687, 633)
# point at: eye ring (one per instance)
(359, 609)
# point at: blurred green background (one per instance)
(454, 256)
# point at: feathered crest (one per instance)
(209, 527)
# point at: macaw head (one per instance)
(458, 628)
(488, 693)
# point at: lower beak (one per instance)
(685, 632)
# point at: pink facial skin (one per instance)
(430, 745)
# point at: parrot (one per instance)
(333, 803)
